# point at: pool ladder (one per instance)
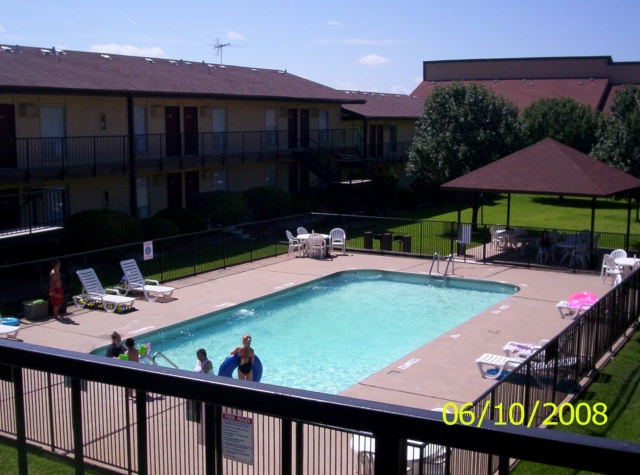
(158, 354)
(436, 257)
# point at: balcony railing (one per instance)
(65, 154)
(36, 211)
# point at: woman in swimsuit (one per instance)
(247, 357)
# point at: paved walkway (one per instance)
(446, 370)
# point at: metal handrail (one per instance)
(449, 261)
(436, 257)
(165, 358)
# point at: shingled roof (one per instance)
(385, 106)
(547, 168)
(40, 70)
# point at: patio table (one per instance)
(303, 239)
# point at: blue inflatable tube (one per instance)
(12, 321)
(230, 364)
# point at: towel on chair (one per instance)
(514, 347)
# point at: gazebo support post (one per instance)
(626, 239)
(459, 210)
(592, 264)
(508, 210)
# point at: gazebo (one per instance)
(549, 168)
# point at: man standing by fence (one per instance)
(56, 294)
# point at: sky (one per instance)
(345, 44)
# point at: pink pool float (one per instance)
(576, 304)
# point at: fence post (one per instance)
(52, 444)
(387, 453)
(286, 443)
(141, 415)
(224, 252)
(210, 439)
(195, 254)
(21, 427)
(76, 421)
(218, 439)
(299, 448)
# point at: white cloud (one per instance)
(129, 50)
(400, 90)
(334, 23)
(358, 42)
(234, 36)
(372, 60)
(2, 30)
(345, 85)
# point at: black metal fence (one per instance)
(193, 254)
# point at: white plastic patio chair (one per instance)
(92, 291)
(294, 244)
(618, 253)
(338, 238)
(135, 282)
(10, 330)
(302, 230)
(611, 268)
(496, 238)
(603, 273)
(316, 245)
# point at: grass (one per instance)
(617, 386)
(40, 462)
(540, 212)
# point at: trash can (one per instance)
(368, 240)
(386, 241)
(462, 249)
(406, 243)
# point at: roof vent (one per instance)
(211, 66)
(580, 83)
(45, 51)
(254, 70)
(6, 49)
(433, 82)
(188, 63)
(223, 67)
(106, 56)
(495, 80)
(484, 83)
(149, 60)
(283, 72)
(382, 95)
(171, 61)
(397, 95)
(590, 79)
(347, 92)
(530, 84)
(524, 80)
(414, 97)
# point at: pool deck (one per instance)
(445, 370)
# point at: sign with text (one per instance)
(147, 250)
(237, 438)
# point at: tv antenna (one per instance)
(218, 47)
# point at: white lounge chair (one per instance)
(514, 349)
(294, 244)
(135, 282)
(499, 362)
(338, 239)
(10, 330)
(92, 291)
(568, 311)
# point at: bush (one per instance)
(158, 228)
(385, 188)
(268, 202)
(100, 228)
(406, 199)
(221, 208)
(187, 221)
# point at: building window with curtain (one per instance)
(271, 127)
(220, 180)
(271, 174)
(142, 190)
(323, 125)
(219, 128)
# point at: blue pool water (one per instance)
(329, 334)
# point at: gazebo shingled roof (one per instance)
(547, 168)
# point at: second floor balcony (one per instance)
(27, 159)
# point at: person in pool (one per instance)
(247, 357)
(203, 365)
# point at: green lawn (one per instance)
(542, 212)
(617, 386)
(40, 462)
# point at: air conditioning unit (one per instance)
(28, 110)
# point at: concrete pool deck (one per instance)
(445, 370)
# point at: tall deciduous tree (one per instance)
(461, 129)
(562, 119)
(619, 134)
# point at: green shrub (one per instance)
(267, 202)
(221, 208)
(188, 221)
(100, 228)
(385, 188)
(158, 228)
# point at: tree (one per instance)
(462, 128)
(562, 119)
(619, 135)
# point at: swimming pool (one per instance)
(332, 332)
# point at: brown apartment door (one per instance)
(191, 186)
(7, 137)
(172, 130)
(191, 131)
(293, 128)
(9, 209)
(304, 128)
(174, 190)
(376, 138)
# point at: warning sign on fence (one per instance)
(237, 438)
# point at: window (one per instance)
(271, 174)
(393, 139)
(140, 129)
(142, 190)
(219, 128)
(271, 127)
(220, 180)
(323, 125)
(53, 130)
